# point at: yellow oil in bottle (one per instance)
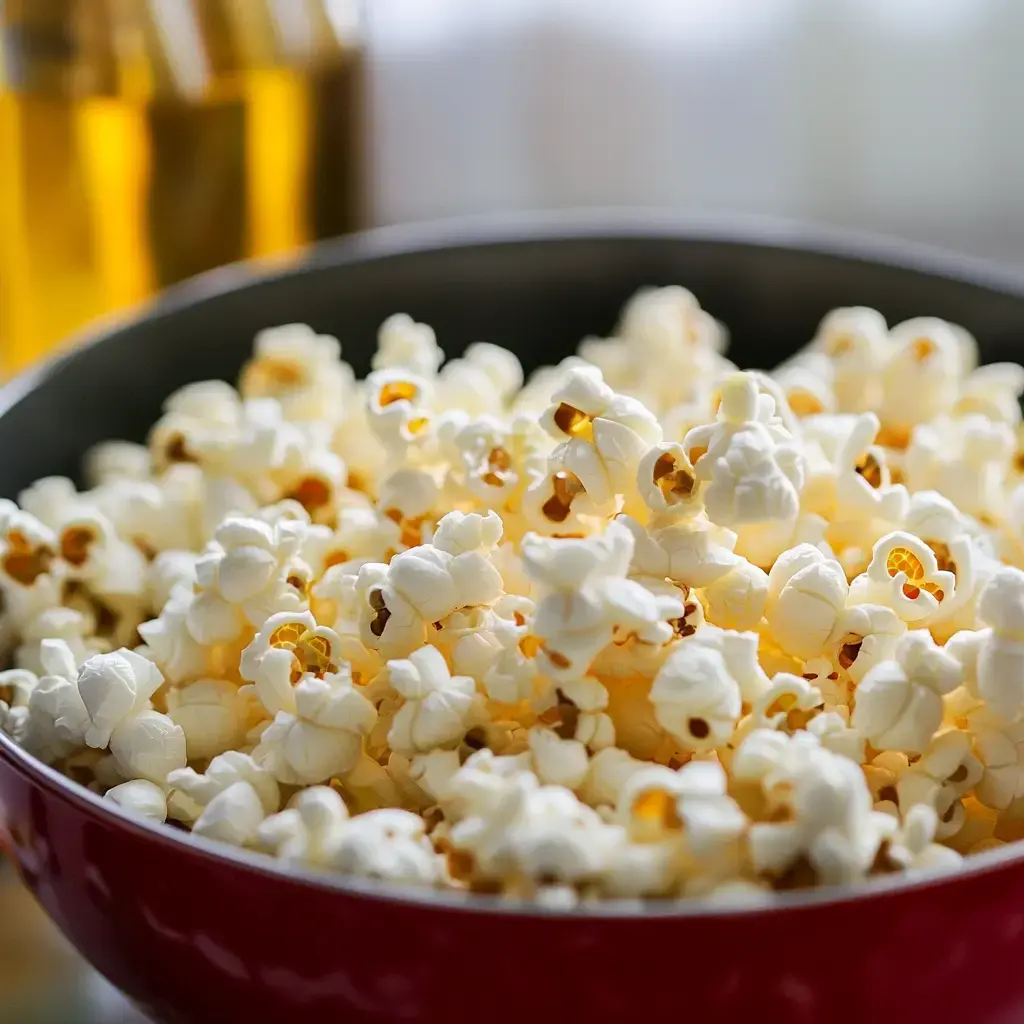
(131, 159)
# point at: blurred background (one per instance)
(142, 141)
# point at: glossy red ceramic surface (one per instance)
(195, 937)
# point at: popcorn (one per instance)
(322, 738)
(306, 828)
(912, 847)
(819, 808)
(750, 469)
(856, 341)
(899, 702)
(214, 715)
(698, 694)
(437, 704)
(967, 460)
(116, 460)
(148, 746)
(233, 816)
(140, 798)
(992, 658)
(921, 375)
(603, 435)
(16, 687)
(904, 575)
(737, 600)
(557, 761)
(864, 636)
(404, 344)
(249, 571)
(667, 482)
(288, 648)
(189, 792)
(58, 719)
(300, 369)
(645, 626)
(399, 409)
(805, 597)
(389, 845)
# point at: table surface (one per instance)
(43, 980)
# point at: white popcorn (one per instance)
(116, 460)
(667, 482)
(904, 575)
(644, 627)
(866, 501)
(299, 368)
(737, 600)
(58, 718)
(856, 340)
(190, 792)
(899, 702)
(541, 834)
(16, 686)
(399, 409)
(148, 746)
(387, 844)
(437, 704)
(233, 816)
(175, 650)
(305, 830)
(198, 421)
(289, 648)
(140, 798)
(589, 597)
(214, 715)
(247, 571)
(323, 738)
(558, 762)
(993, 658)
(752, 469)
(912, 847)
(806, 594)
(494, 458)
(822, 807)
(695, 553)
(865, 635)
(834, 733)
(168, 570)
(656, 802)
(603, 435)
(790, 701)
(115, 687)
(28, 549)
(967, 460)
(921, 376)
(999, 748)
(993, 391)
(74, 627)
(699, 692)
(404, 344)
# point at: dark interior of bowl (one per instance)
(536, 294)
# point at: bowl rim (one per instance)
(498, 231)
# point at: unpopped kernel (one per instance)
(642, 625)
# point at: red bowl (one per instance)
(194, 932)
(197, 932)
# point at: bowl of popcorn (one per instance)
(451, 624)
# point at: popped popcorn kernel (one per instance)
(641, 626)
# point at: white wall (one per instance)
(902, 116)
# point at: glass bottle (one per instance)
(143, 141)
